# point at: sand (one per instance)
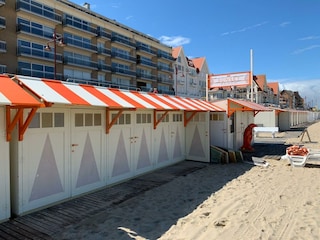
(231, 201)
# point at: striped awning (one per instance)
(12, 94)
(231, 105)
(60, 92)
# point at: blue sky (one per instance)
(284, 35)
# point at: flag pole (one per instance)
(251, 73)
(207, 85)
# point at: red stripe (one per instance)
(181, 102)
(128, 99)
(95, 92)
(165, 102)
(144, 98)
(65, 92)
(15, 93)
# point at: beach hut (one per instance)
(13, 101)
(227, 129)
(88, 137)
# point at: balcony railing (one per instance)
(33, 31)
(80, 62)
(147, 50)
(80, 44)
(123, 56)
(102, 33)
(104, 67)
(38, 10)
(37, 53)
(166, 69)
(2, 23)
(78, 25)
(147, 76)
(104, 51)
(3, 47)
(123, 71)
(123, 41)
(146, 63)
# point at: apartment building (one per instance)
(263, 92)
(190, 74)
(57, 39)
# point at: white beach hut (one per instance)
(227, 129)
(13, 100)
(88, 137)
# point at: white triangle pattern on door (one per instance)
(88, 172)
(47, 179)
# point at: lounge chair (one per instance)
(300, 161)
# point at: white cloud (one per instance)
(308, 89)
(284, 24)
(301, 50)
(174, 41)
(309, 38)
(244, 29)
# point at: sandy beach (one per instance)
(231, 201)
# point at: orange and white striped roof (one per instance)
(12, 94)
(60, 92)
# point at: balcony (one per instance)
(3, 68)
(165, 69)
(165, 80)
(38, 9)
(104, 51)
(3, 47)
(122, 71)
(80, 44)
(83, 26)
(146, 63)
(80, 62)
(165, 55)
(149, 77)
(123, 41)
(33, 31)
(102, 33)
(146, 50)
(2, 23)
(104, 67)
(37, 53)
(123, 56)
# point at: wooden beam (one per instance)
(18, 119)
(186, 118)
(113, 121)
(155, 121)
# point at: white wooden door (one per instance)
(119, 149)
(87, 155)
(218, 129)
(142, 146)
(197, 138)
(41, 176)
(177, 137)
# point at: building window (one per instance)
(47, 120)
(177, 117)
(87, 119)
(124, 119)
(143, 118)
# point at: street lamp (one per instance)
(57, 39)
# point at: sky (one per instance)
(283, 35)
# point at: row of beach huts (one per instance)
(60, 140)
